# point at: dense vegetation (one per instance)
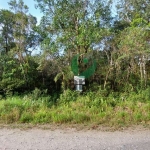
(36, 79)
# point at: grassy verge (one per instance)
(73, 108)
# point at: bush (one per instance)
(73, 107)
(68, 96)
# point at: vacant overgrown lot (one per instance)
(76, 108)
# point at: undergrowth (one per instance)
(76, 108)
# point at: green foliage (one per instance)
(117, 50)
(68, 96)
(26, 117)
(129, 9)
(113, 110)
(39, 88)
(36, 94)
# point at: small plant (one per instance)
(26, 117)
(68, 96)
(74, 108)
(36, 93)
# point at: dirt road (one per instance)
(71, 139)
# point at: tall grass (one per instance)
(75, 108)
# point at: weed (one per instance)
(72, 107)
(26, 117)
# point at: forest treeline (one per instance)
(38, 55)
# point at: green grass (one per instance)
(73, 108)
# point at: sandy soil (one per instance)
(72, 139)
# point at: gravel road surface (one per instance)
(71, 139)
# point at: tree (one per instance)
(73, 27)
(19, 68)
(6, 32)
(23, 29)
(133, 55)
(129, 46)
(131, 9)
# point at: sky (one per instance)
(30, 3)
(32, 10)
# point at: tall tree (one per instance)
(23, 29)
(130, 9)
(73, 27)
(18, 67)
(6, 31)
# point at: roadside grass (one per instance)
(74, 108)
